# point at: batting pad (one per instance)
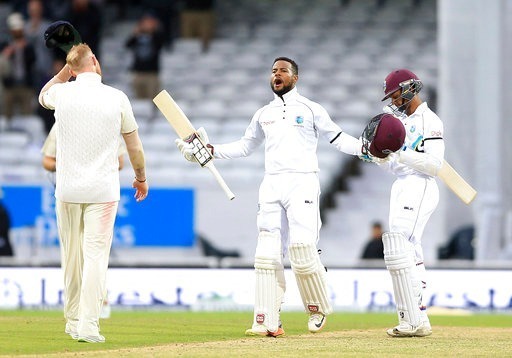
(270, 282)
(311, 278)
(399, 259)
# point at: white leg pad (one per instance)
(399, 259)
(270, 282)
(311, 278)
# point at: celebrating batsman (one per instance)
(414, 195)
(288, 218)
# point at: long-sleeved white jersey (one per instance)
(424, 134)
(290, 126)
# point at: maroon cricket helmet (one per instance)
(394, 80)
(389, 136)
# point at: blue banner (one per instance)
(165, 218)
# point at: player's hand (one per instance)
(186, 149)
(201, 132)
(365, 155)
(141, 189)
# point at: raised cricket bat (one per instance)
(186, 131)
(456, 183)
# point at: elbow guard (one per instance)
(422, 162)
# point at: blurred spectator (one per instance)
(374, 249)
(34, 31)
(460, 246)
(18, 61)
(5, 226)
(47, 115)
(198, 20)
(146, 43)
(167, 13)
(36, 25)
(86, 17)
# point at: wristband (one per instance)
(141, 181)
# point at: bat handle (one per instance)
(220, 180)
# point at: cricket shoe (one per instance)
(266, 333)
(253, 332)
(316, 322)
(71, 332)
(92, 339)
(71, 329)
(406, 330)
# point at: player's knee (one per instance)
(401, 225)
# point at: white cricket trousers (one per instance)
(289, 206)
(413, 200)
(85, 232)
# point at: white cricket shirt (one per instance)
(290, 126)
(424, 134)
(49, 147)
(89, 117)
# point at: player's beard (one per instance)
(285, 89)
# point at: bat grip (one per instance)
(220, 180)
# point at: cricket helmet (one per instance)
(402, 79)
(383, 135)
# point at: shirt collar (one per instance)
(88, 77)
(288, 95)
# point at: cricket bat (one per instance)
(186, 131)
(456, 183)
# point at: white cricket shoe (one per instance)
(92, 339)
(72, 333)
(316, 322)
(260, 330)
(71, 329)
(254, 332)
(404, 329)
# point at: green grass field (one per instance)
(221, 334)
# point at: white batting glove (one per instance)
(185, 149)
(201, 132)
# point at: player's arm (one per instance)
(138, 162)
(428, 162)
(49, 163)
(347, 144)
(121, 151)
(344, 142)
(49, 151)
(245, 146)
(121, 161)
(63, 76)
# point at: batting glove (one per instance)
(185, 149)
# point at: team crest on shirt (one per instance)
(299, 120)
(413, 129)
